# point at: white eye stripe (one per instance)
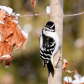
(52, 26)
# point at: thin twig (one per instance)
(75, 71)
(58, 61)
(33, 15)
(74, 14)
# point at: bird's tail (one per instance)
(50, 68)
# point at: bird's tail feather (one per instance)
(50, 68)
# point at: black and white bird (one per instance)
(49, 45)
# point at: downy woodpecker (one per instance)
(49, 45)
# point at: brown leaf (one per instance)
(8, 19)
(68, 71)
(5, 49)
(4, 31)
(66, 64)
(33, 3)
(24, 44)
(5, 53)
(7, 62)
(1, 14)
(1, 61)
(14, 36)
(17, 38)
(11, 36)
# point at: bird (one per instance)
(49, 45)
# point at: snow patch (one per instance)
(17, 14)
(25, 34)
(68, 79)
(6, 56)
(48, 9)
(77, 80)
(1, 22)
(15, 21)
(19, 27)
(7, 9)
(64, 60)
(82, 79)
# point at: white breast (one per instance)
(56, 38)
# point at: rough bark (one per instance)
(56, 15)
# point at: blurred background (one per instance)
(26, 66)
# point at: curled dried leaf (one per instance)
(33, 3)
(65, 64)
(10, 36)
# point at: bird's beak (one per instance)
(47, 28)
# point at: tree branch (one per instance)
(32, 15)
(74, 14)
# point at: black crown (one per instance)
(50, 25)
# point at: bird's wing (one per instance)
(47, 46)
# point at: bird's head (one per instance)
(50, 26)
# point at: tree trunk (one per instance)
(56, 15)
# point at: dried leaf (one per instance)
(33, 3)
(11, 36)
(8, 19)
(5, 49)
(4, 31)
(17, 38)
(7, 62)
(66, 64)
(5, 52)
(1, 14)
(1, 61)
(68, 71)
(24, 44)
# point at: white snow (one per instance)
(68, 79)
(76, 77)
(82, 79)
(7, 9)
(25, 34)
(48, 9)
(17, 14)
(15, 21)
(19, 26)
(13, 13)
(64, 60)
(77, 80)
(6, 56)
(1, 22)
